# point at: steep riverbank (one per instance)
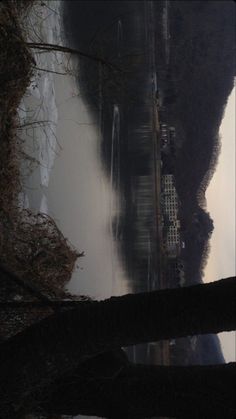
(34, 255)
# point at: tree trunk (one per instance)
(49, 349)
(145, 391)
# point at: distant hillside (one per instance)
(198, 350)
(202, 62)
(199, 79)
(209, 350)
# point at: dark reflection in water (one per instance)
(121, 100)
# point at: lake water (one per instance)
(92, 135)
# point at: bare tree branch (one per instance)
(60, 48)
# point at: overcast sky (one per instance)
(221, 205)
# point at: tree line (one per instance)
(201, 72)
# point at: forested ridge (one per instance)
(200, 77)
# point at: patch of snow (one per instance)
(23, 200)
(38, 107)
(44, 205)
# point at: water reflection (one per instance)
(82, 199)
(122, 103)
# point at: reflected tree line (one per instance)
(120, 35)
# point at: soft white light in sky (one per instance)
(220, 197)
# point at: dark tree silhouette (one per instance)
(141, 391)
(44, 352)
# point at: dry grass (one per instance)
(31, 246)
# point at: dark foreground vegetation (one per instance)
(51, 365)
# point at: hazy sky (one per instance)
(220, 197)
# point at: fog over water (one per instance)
(81, 198)
(93, 142)
(121, 102)
(69, 182)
